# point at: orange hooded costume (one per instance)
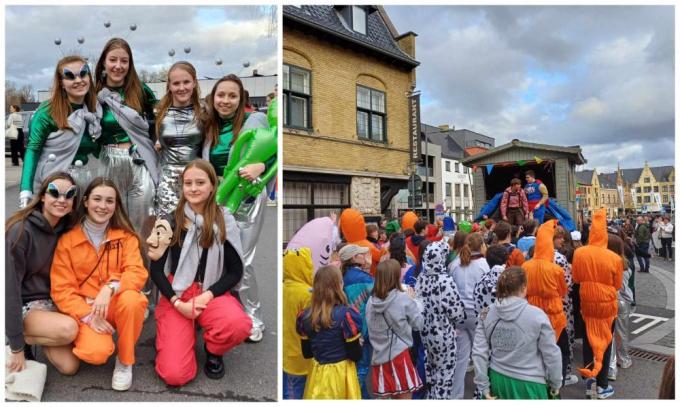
(599, 271)
(545, 280)
(353, 229)
(408, 220)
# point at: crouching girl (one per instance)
(97, 274)
(205, 266)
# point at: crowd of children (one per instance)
(503, 301)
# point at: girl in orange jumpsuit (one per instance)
(97, 274)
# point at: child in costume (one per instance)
(65, 130)
(391, 315)
(97, 274)
(514, 352)
(619, 349)
(443, 312)
(546, 286)
(128, 153)
(205, 266)
(330, 332)
(298, 271)
(599, 273)
(179, 133)
(225, 119)
(31, 318)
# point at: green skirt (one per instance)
(507, 388)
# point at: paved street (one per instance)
(252, 369)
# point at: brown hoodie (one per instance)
(599, 271)
(546, 285)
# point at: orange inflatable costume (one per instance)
(599, 271)
(353, 228)
(408, 220)
(545, 280)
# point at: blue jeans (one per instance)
(293, 386)
(643, 260)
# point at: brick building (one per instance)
(347, 72)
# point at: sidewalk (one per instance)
(12, 174)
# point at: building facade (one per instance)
(347, 72)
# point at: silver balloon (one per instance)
(246, 64)
(81, 40)
(171, 52)
(57, 41)
(218, 62)
(107, 24)
(133, 27)
(187, 50)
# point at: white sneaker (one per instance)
(570, 380)
(255, 335)
(122, 376)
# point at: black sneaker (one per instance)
(214, 365)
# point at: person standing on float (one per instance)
(537, 194)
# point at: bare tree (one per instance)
(15, 95)
(161, 75)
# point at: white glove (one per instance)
(24, 198)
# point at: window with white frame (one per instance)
(296, 96)
(371, 115)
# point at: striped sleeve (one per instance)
(351, 324)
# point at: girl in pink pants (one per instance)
(205, 265)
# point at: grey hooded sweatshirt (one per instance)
(516, 339)
(390, 322)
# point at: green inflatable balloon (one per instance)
(252, 146)
(465, 226)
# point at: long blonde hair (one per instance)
(326, 294)
(212, 215)
(166, 101)
(59, 105)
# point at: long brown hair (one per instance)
(59, 105)
(387, 278)
(36, 204)
(667, 386)
(166, 101)
(473, 243)
(120, 219)
(326, 294)
(212, 118)
(615, 244)
(511, 281)
(132, 86)
(212, 215)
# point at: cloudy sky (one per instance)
(234, 34)
(598, 77)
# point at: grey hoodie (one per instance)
(399, 312)
(28, 259)
(522, 345)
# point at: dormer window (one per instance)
(355, 18)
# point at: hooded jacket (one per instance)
(298, 271)
(516, 339)
(408, 220)
(546, 285)
(390, 322)
(79, 272)
(599, 272)
(353, 228)
(28, 258)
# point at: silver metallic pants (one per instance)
(167, 194)
(135, 185)
(620, 339)
(84, 174)
(250, 218)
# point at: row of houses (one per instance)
(627, 191)
(347, 78)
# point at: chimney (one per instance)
(255, 72)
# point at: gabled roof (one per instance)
(607, 180)
(661, 173)
(479, 158)
(631, 175)
(584, 177)
(378, 38)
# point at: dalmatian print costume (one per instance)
(485, 289)
(443, 310)
(568, 304)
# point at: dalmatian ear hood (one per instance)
(434, 258)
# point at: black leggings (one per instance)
(602, 379)
(563, 343)
(666, 243)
